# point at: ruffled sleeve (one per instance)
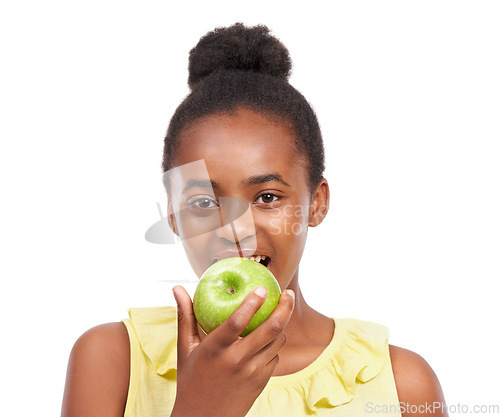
(356, 355)
(156, 330)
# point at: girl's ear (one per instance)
(320, 202)
(172, 222)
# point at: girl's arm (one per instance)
(98, 373)
(418, 387)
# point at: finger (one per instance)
(271, 366)
(274, 325)
(271, 351)
(230, 330)
(187, 328)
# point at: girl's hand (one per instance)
(225, 373)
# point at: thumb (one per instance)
(187, 328)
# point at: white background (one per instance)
(408, 97)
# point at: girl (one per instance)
(244, 165)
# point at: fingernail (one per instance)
(174, 293)
(261, 291)
(291, 293)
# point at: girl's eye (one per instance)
(267, 198)
(204, 203)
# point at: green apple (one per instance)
(224, 286)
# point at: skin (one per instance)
(211, 365)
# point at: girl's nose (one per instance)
(237, 220)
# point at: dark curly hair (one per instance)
(247, 67)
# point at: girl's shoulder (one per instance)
(416, 383)
(98, 372)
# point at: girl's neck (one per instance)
(308, 334)
(307, 327)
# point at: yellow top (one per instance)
(352, 376)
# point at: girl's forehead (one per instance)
(244, 138)
(239, 147)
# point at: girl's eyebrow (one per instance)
(198, 182)
(259, 179)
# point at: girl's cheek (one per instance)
(288, 221)
(275, 226)
(197, 251)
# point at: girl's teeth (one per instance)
(258, 258)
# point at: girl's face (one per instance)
(255, 159)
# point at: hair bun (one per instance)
(239, 48)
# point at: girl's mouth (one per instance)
(262, 259)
